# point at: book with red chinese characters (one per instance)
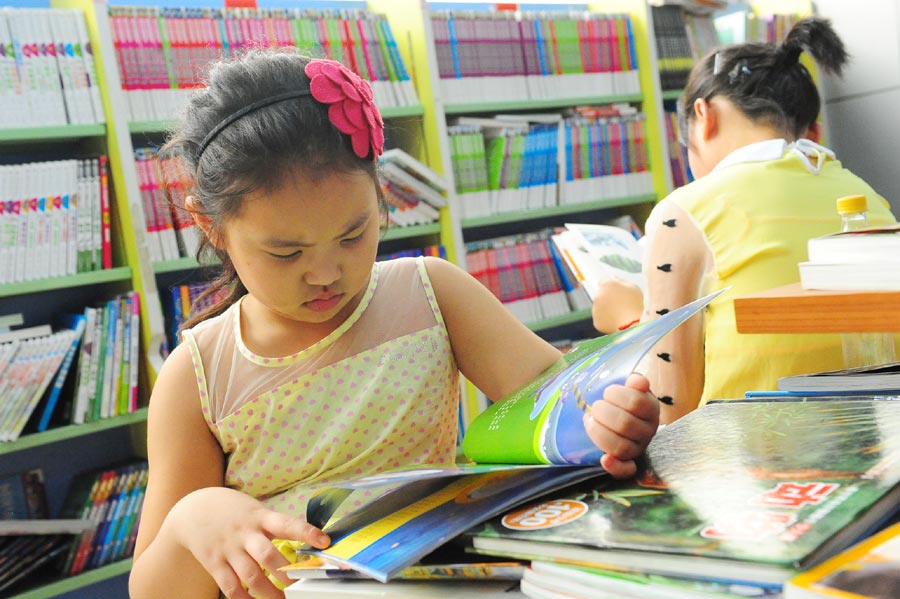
(743, 491)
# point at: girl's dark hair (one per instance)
(766, 81)
(255, 152)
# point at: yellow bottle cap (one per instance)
(848, 204)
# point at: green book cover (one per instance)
(333, 33)
(99, 374)
(744, 490)
(542, 423)
(496, 152)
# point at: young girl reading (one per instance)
(761, 191)
(322, 364)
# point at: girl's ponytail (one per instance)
(819, 40)
(767, 82)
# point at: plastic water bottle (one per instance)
(862, 349)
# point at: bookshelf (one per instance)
(64, 451)
(421, 129)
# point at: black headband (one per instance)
(297, 93)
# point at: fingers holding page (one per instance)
(623, 423)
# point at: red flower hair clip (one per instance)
(351, 104)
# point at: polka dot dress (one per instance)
(380, 392)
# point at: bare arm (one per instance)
(493, 349)
(616, 305)
(676, 262)
(196, 536)
(183, 457)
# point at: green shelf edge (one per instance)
(56, 588)
(71, 431)
(557, 321)
(539, 104)
(393, 112)
(175, 265)
(672, 94)
(411, 231)
(513, 217)
(150, 126)
(121, 273)
(51, 133)
(165, 125)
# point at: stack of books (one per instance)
(738, 494)
(510, 56)
(866, 259)
(54, 218)
(163, 52)
(49, 76)
(413, 191)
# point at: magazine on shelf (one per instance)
(743, 491)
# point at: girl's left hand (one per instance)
(623, 424)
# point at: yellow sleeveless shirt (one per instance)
(756, 218)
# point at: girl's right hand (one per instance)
(230, 534)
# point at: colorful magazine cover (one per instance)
(869, 570)
(542, 423)
(410, 520)
(745, 491)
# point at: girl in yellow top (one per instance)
(320, 364)
(761, 191)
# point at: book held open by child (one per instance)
(596, 253)
(421, 509)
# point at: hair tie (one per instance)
(788, 56)
(351, 107)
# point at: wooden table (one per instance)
(792, 309)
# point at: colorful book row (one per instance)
(106, 380)
(54, 219)
(527, 162)
(521, 55)
(47, 74)
(170, 229)
(162, 53)
(111, 500)
(678, 161)
(438, 251)
(527, 275)
(185, 300)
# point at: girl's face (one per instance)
(305, 250)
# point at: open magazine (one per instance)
(526, 445)
(596, 253)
